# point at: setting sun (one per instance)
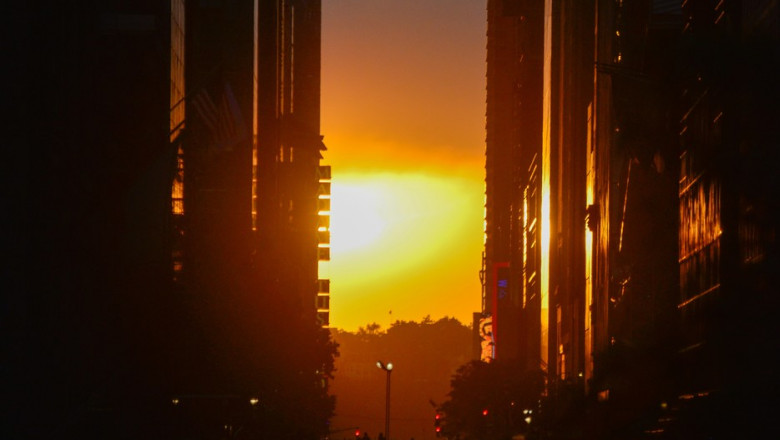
(397, 245)
(357, 216)
(403, 103)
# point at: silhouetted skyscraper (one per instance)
(291, 187)
(88, 296)
(134, 301)
(630, 208)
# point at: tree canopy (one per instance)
(491, 401)
(424, 354)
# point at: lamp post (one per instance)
(389, 368)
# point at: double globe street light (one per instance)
(389, 368)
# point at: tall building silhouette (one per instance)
(629, 240)
(89, 315)
(291, 187)
(145, 297)
(513, 94)
(728, 254)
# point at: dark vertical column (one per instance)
(604, 29)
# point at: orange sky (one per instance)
(403, 93)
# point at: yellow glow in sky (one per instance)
(403, 245)
(403, 103)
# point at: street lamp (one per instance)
(389, 368)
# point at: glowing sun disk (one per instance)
(356, 220)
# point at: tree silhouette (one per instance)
(491, 401)
(424, 356)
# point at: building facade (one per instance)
(88, 206)
(727, 241)
(291, 191)
(629, 243)
(143, 299)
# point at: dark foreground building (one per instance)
(631, 248)
(138, 302)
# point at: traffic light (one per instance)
(437, 424)
(357, 433)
